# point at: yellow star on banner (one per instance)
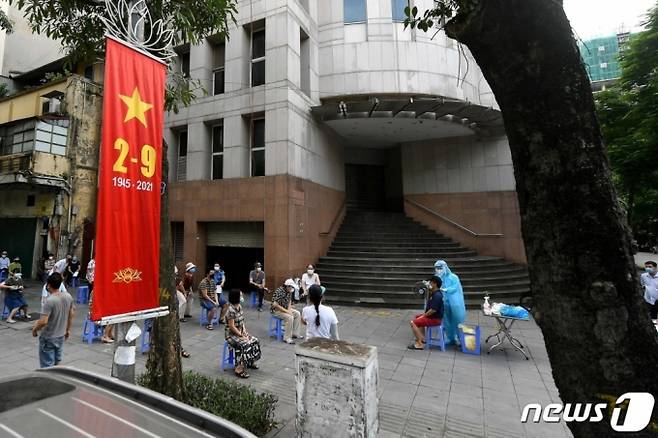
(136, 107)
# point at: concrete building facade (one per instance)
(317, 107)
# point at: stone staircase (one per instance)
(377, 257)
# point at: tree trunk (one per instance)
(163, 368)
(589, 305)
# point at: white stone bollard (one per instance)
(336, 389)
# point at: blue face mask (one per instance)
(438, 271)
(241, 299)
(192, 270)
(649, 270)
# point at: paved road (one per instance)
(421, 394)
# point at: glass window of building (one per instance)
(258, 147)
(181, 162)
(398, 7)
(185, 64)
(218, 60)
(217, 162)
(354, 11)
(258, 57)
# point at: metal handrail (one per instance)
(450, 221)
(333, 222)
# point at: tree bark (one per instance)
(588, 300)
(163, 368)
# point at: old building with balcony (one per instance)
(49, 138)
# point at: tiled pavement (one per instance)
(421, 394)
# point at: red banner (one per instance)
(128, 216)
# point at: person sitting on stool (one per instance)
(433, 313)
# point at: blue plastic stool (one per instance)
(275, 329)
(463, 336)
(228, 357)
(435, 337)
(203, 316)
(5, 312)
(83, 295)
(145, 345)
(91, 331)
(75, 281)
(253, 299)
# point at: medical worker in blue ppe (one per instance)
(454, 310)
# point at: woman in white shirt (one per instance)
(309, 279)
(320, 320)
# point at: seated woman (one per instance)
(14, 299)
(320, 320)
(245, 346)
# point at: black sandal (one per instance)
(184, 353)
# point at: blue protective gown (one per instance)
(454, 310)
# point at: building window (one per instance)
(601, 48)
(185, 64)
(89, 72)
(604, 65)
(258, 57)
(181, 162)
(354, 11)
(258, 147)
(217, 152)
(218, 60)
(398, 7)
(31, 200)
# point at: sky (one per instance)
(592, 18)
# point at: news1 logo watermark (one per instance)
(638, 407)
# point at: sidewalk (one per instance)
(421, 394)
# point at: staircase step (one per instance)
(376, 258)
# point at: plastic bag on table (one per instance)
(514, 312)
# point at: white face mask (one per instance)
(309, 271)
(50, 258)
(241, 299)
(216, 267)
(18, 275)
(258, 269)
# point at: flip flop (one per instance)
(184, 353)
(209, 327)
(413, 347)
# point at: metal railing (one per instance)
(450, 221)
(14, 163)
(339, 214)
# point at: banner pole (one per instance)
(123, 365)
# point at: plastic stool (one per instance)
(5, 312)
(435, 337)
(145, 345)
(91, 331)
(75, 281)
(463, 337)
(228, 357)
(275, 329)
(203, 316)
(253, 299)
(83, 295)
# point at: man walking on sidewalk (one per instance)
(56, 319)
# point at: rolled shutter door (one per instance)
(235, 234)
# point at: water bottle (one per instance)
(486, 307)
